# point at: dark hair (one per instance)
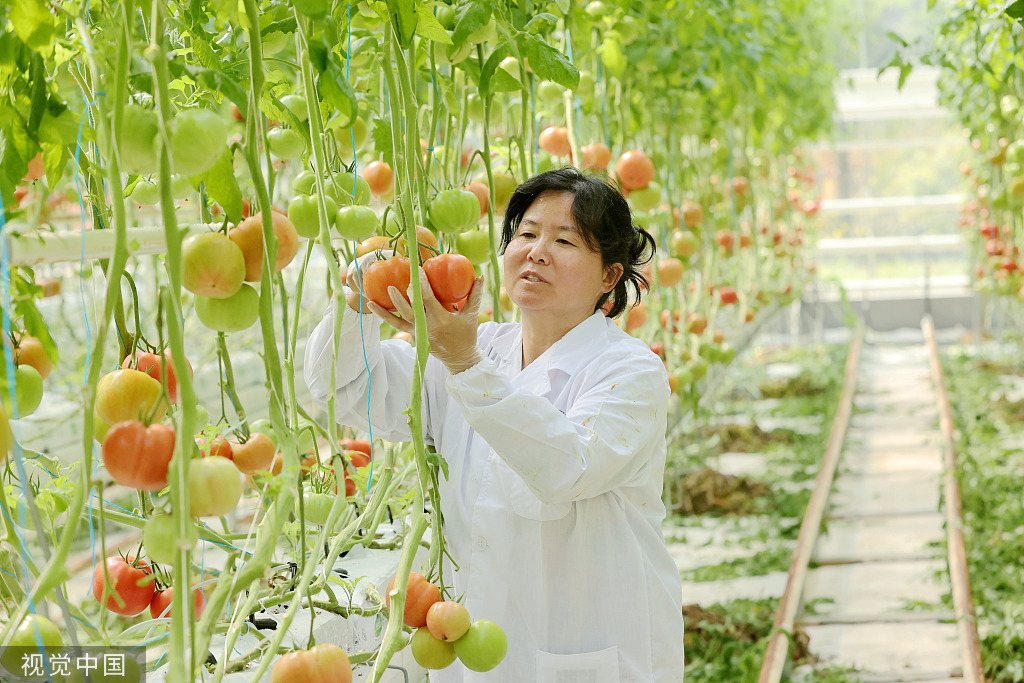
(603, 218)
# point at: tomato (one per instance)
(361, 445)
(213, 265)
(131, 585)
(430, 652)
(25, 634)
(683, 244)
(249, 236)
(324, 663)
(304, 182)
(636, 317)
(136, 140)
(483, 646)
(304, 213)
(482, 195)
(198, 139)
(504, 186)
(549, 91)
(356, 223)
(555, 141)
(392, 272)
(454, 210)
(129, 395)
(181, 186)
(425, 238)
(285, 143)
(420, 594)
(351, 135)
(693, 214)
(474, 245)
(372, 244)
(634, 170)
(214, 487)
(234, 314)
(727, 295)
(28, 390)
(450, 276)
(358, 459)
(161, 604)
(347, 189)
(448, 620)
(725, 239)
(294, 103)
(379, 177)
(256, 454)
(696, 323)
(740, 185)
(163, 541)
(670, 272)
(218, 446)
(317, 507)
(138, 456)
(152, 365)
(146, 192)
(6, 435)
(596, 156)
(646, 198)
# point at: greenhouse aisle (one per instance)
(875, 599)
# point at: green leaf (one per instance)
(34, 23)
(60, 128)
(563, 6)
(548, 63)
(472, 17)
(222, 186)
(336, 90)
(16, 149)
(382, 141)
(492, 77)
(404, 17)
(427, 25)
(1015, 10)
(215, 79)
(541, 23)
(23, 302)
(55, 158)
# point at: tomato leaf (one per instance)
(215, 79)
(548, 63)
(59, 127)
(1015, 10)
(437, 460)
(16, 149)
(403, 16)
(492, 78)
(427, 25)
(55, 157)
(470, 18)
(33, 23)
(541, 23)
(332, 83)
(222, 186)
(26, 291)
(382, 140)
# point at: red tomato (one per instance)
(255, 455)
(392, 272)
(727, 295)
(129, 395)
(131, 587)
(218, 446)
(379, 177)
(451, 277)
(161, 605)
(138, 456)
(634, 170)
(420, 595)
(448, 620)
(325, 663)
(483, 195)
(555, 141)
(30, 351)
(596, 155)
(152, 365)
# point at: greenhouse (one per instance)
(707, 366)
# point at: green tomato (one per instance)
(162, 541)
(28, 390)
(198, 139)
(136, 141)
(647, 198)
(454, 211)
(474, 245)
(549, 91)
(146, 192)
(586, 84)
(482, 35)
(263, 426)
(274, 42)
(504, 186)
(214, 487)
(23, 641)
(285, 143)
(430, 652)
(482, 647)
(446, 16)
(596, 9)
(317, 507)
(312, 8)
(181, 187)
(356, 223)
(304, 183)
(235, 313)
(304, 213)
(628, 28)
(296, 104)
(342, 187)
(351, 138)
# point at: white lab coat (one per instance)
(553, 505)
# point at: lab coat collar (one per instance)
(564, 355)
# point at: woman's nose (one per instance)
(538, 252)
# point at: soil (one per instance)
(739, 438)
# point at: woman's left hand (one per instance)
(452, 336)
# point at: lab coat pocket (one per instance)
(589, 667)
(526, 503)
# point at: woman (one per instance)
(554, 434)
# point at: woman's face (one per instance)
(549, 269)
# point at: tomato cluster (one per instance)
(444, 630)
(450, 276)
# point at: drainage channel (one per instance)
(880, 543)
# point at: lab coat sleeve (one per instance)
(371, 377)
(613, 430)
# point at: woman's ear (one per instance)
(612, 274)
